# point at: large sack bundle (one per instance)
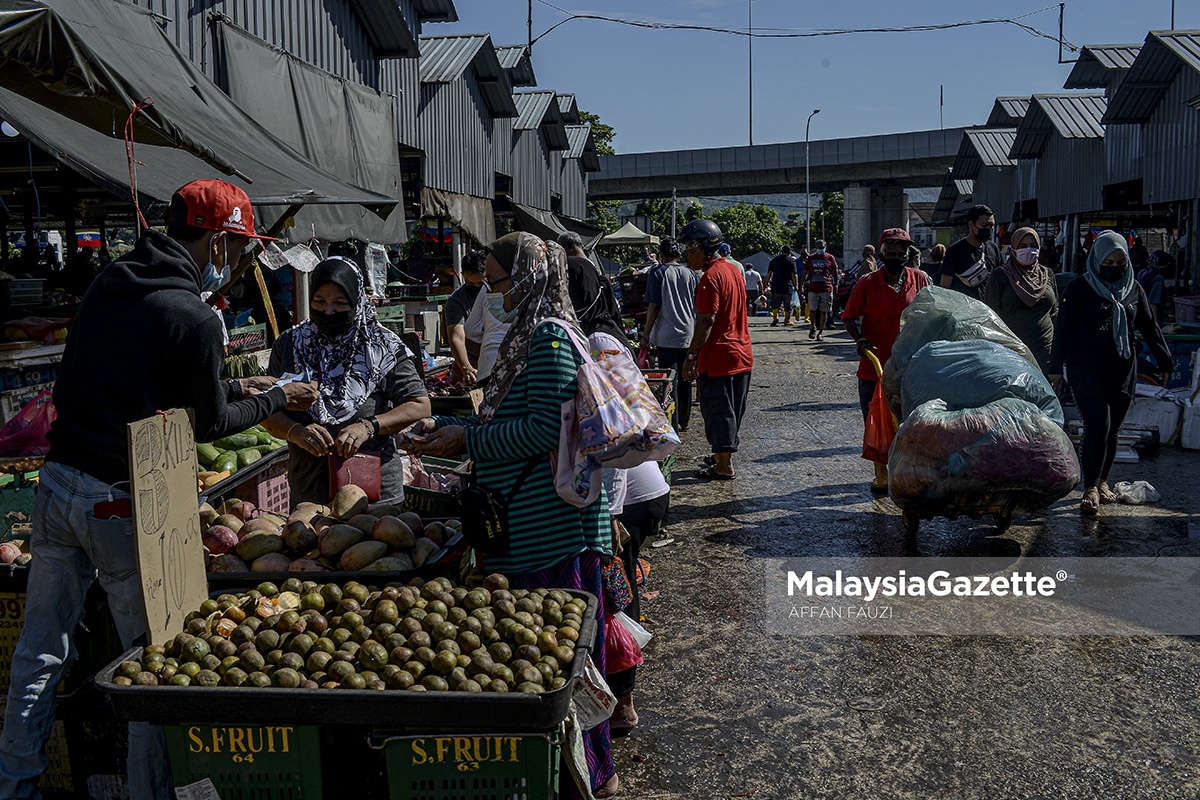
(1009, 445)
(971, 374)
(938, 314)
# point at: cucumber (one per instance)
(266, 449)
(263, 437)
(247, 456)
(239, 441)
(206, 454)
(226, 462)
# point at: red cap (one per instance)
(895, 234)
(219, 206)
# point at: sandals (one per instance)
(709, 473)
(1090, 506)
(609, 789)
(1107, 495)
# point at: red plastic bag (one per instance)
(881, 428)
(620, 647)
(25, 434)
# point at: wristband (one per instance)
(235, 389)
(288, 436)
(373, 423)
(692, 356)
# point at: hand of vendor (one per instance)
(302, 395)
(257, 384)
(469, 375)
(862, 345)
(352, 437)
(314, 438)
(689, 372)
(445, 441)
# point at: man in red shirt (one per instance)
(820, 279)
(719, 357)
(872, 315)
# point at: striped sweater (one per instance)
(545, 530)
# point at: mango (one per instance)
(229, 521)
(279, 519)
(304, 512)
(242, 509)
(208, 515)
(424, 550)
(228, 562)
(364, 522)
(299, 536)
(306, 565)
(337, 539)
(414, 522)
(383, 510)
(360, 555)
(271, 562)
(436, 531)
(258, 544)
(219, 540)
(394, 532)
(259, 524)
(395, 562)
(348, 501)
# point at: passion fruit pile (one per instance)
(425, 636)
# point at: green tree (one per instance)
(602, 213)
(830, 215)
(601, 133)
(749, 229)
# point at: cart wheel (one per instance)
(1003, 520)
(911, 522)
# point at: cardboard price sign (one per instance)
(170, 550)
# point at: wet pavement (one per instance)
(729, 710)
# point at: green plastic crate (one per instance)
(248, 762)
(667, 465)
(429, 502)
(479, 766)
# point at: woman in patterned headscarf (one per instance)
(552, 544)
(368, 380)
(1022, 293)
(1094, 338)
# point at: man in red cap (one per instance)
(872, 315)
(142, 341)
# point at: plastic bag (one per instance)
(880, 429)
(639, 634)
(938, 314)
(970, 374)
(941, 455)
(795, 299)
(25, 434)
(621, 649)
(1136, 493)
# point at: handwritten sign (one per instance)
(170, 551)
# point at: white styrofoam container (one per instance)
(1161, 413)
(1190, 439)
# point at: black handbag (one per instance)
(484, 511)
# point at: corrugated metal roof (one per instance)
(568, 108)
(447, 58)
(1007, 112)
(1097, 62)
(951, 199)
(582, 146)
(514, 59)
(1069, 116)
(990, 146)
(964, 186)
(1157, 65)
(532, 108)
(436, 10)
(385, 25)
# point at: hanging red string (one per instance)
(129, 155)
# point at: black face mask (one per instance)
(334, 326)
(1110, 273)
(893, 266)
(983, 234)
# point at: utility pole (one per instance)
(674, 200)
(529, 28)
(807, 192)
(750, 10)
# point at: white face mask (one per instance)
(1026, 256)
(495, 303)
(210, 278)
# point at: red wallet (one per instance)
(363, 469)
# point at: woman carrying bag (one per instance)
(369, 388)
(550, 543)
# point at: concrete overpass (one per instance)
(872, 171)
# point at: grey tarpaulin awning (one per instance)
(69, 76)
(472, 214)
(547, 225)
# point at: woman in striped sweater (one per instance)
(552, 544)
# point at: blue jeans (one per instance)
(71, 548)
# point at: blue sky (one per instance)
(675, 89)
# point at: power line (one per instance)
(787, 33)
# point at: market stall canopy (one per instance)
(71, 74)
(473, 215)
(628, 234)
(548, 225)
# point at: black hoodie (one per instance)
(143, 341)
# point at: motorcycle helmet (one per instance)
(704, 233)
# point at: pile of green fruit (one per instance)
(220, 459)
(425, 636)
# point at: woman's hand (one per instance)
(352, 437)
(420, 428)
(1056, 382)
(445, 441)
(314, 439)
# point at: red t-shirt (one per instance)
(722, 292)
(880, 307)
(820, 273)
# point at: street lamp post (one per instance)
(807, 195)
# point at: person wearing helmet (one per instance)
(872, 316)
(719, 357)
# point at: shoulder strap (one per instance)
(524, 476)
(580, 345)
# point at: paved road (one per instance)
(728, 710)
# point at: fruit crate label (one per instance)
(12, 619)
(242, 745)
(466, 753)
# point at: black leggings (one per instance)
(676, 357)
(641, 520)
(1103, 410)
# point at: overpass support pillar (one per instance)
(891, 209)
(857, 222)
